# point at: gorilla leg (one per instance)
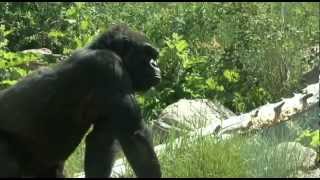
(9, 164)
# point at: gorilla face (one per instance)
(138, 56)
(140, 59)
(143, 67)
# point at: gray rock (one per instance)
(304, 157)
(38, 51)
(315, 173)
(187, 115)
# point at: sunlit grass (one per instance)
(75, 162)
(240, 156)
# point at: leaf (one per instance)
(84, 25)
(71, 21)
(9, 82)
(231, 75)
(181, 45)
(213, 85)
(21, 72)
(315, 139)
(55, 34)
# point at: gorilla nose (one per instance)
(153, 63)
(155, 67)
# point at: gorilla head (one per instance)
(138, 56)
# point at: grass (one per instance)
(204, 157)
(241, 156)
(75, 163)
(207, 157)
(237, 157)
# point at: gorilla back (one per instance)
(50, 106)
(44, 116)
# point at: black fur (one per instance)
(44, 116)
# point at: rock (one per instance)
(46, 57)
(304, 157)
(315, 173)
(38, 51)
(187, 115)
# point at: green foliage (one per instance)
(231, 75)
(3, 34)
(31, 22)
(310, 138)
(242, 54)
(13, 66)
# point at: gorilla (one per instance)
(90, 95)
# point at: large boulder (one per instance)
(187, 115)
(314, 173)
(306, 158)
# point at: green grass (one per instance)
(204, 157)
(207, 157)
(236, 157)
(264, 160)
(241, 156)
(74, 164)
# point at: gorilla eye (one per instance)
(155, 55)
(151, 51)
(126, 40)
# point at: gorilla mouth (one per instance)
(150, 82)
(156, 80)
(153, 81)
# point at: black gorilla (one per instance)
(44, 117)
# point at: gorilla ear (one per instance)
(150, 50)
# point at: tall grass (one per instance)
(252, 155)
(75, 162)
(240, 156)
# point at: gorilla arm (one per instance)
(126, 125)
(136, 140)
(100, 151)
(119, 117)
(139, 151)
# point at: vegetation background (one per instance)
(241, 54)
